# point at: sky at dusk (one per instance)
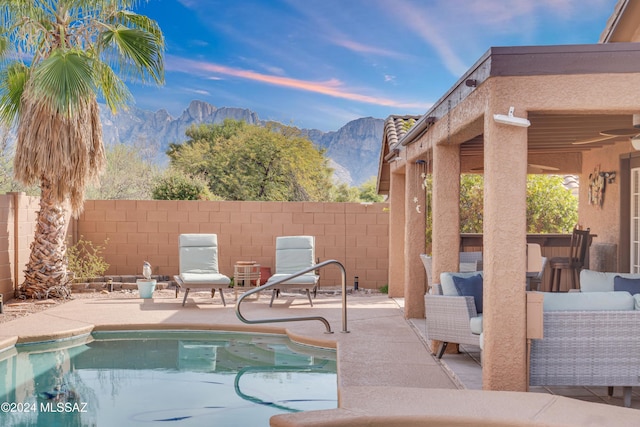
(322, 63)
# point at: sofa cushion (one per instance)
(637, 298)
(625, 284)
(470, 286)
(598, 281)
(446, 281)
(588, 301)
(475, 324)
(595, 281)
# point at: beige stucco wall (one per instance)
(17, 225)
(603, 221)
(355, 234)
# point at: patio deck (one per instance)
(386, 375)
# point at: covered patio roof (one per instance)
(554, 133)
(574, 97)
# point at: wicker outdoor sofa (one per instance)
(590, 338)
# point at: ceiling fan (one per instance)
(608, 134)
(531, 168)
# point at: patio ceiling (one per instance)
(556, 133)
(552, 135)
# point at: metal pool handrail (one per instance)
(269, 285)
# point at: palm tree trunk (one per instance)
(46, 273)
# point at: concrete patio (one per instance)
(386, 374)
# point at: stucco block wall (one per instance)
(137, 231)
(604, 221)
(18, 214)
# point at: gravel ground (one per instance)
(16, 308)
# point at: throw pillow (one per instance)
(624, 284)
(470, 287)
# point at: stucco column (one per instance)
(396, 234)
(505, 238)
(414, 243)
(446, 209)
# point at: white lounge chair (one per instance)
(293, 254)
(199, 265)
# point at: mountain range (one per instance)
(353, 150)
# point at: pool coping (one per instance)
(377, 384)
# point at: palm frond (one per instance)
(65, 150)
(63, 79)
(134, 52)
(133, 20)
(4, 44)
(12, 82)
(114, 91)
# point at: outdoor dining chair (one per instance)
(574, 262)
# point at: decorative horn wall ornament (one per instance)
(597, 185)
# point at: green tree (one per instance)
(345, 193)
(129, 174)
(367, 191)
(246, 162)
(551, 208)
(58, 57)
(471, 203)
(7, 181)
(174, 185)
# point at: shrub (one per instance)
(85, 260)
(176, 186)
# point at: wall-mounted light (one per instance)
(635, 142)
(511, 119)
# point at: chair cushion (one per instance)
(475, 324)
(305, 279)
(595, 281)
(470, 286)
(626, 284)
(598, 281)
(198, 239)
(588, 301)
(446, 280)
(294, 253)
(198, 253)
(204, 279)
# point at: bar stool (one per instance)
(574, 262)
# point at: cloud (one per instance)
(188, 3)
(362, 48)
(331, 87)
(197, 91)
(417, 20)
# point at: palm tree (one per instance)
(58, 58)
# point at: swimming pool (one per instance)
(164, 378)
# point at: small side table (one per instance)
(245, 274)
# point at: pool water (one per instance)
(164, 378)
